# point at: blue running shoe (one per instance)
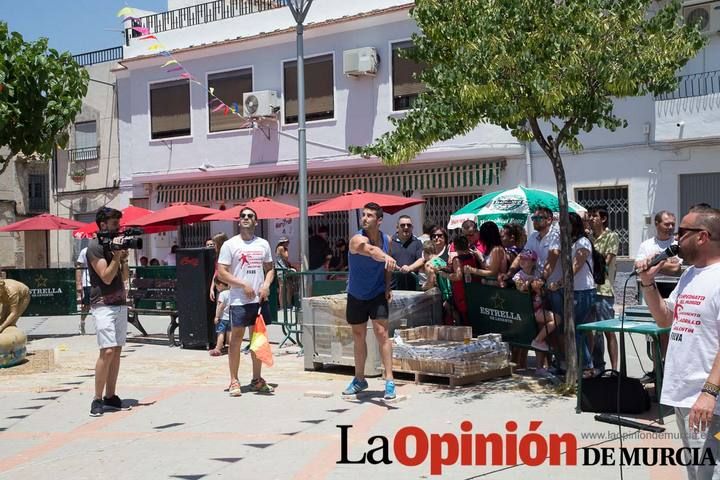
(389, 390)
(356, 386)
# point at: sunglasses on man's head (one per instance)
(247, 215)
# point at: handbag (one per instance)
(600, 394)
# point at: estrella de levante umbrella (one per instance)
(514, 205)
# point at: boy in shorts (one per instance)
(222, 317)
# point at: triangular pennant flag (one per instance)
(125, 11)
(227, 110)
(148, 37)
(156, 46)
(236, 109)
(212, 90)
(176, 69)
(209, 103)
(141, 30)
(165, 53)
(169, 62)
(185, 75)
(219, 107)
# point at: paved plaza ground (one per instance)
(183, 425)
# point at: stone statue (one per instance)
(14, 299)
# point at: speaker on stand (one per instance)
(196, 313)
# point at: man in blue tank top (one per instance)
(370, 266)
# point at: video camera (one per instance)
(123, 240)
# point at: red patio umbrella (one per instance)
(359, 198)
(265, 208)
(176, 214)
(42, 223)
(130, 214)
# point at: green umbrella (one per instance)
(514, 205)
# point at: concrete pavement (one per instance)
(183, 425)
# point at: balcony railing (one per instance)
(99, 56)
(83, 154)
(200, 14)
(695, 85)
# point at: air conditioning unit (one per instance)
(706, 14)
(263, 103)
(360, 62)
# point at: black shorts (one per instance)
(358, 311)
(245, 315)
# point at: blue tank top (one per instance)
(366, 279)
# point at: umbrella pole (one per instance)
(47, 249)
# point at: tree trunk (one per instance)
(566, 264)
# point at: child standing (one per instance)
(458, 278)
(527, 281)
(222, 317)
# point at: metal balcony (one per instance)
(694, 85)
(83, 154)
(200, 14)
(99, 56)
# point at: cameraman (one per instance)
(108, 273)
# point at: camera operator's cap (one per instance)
(528, 255)
(283, 240)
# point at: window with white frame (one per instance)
(86, 143)
(230, 87)
(405, 72)
(319, 89)
(170, 109)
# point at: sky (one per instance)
(76, 26)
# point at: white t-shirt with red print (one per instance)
(246, 259)
(694, 336)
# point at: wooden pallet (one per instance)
(457, 380)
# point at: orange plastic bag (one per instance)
(259, 342)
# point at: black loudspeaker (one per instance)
(196, 313)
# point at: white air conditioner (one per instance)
(360, 62)
(707, 14)
(263, 103)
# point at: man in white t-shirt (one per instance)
(664, 237)
(245, 263)
(692, 366)
(82, 287)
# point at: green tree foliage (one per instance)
(41, 92)
(546, 70)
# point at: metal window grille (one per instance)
(38, 193)
(616, 201)
(194, 235)
(439, 208)
(337, 223)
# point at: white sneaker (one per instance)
(541, 346)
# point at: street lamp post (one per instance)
(299, 9)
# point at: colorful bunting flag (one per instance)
(156, 46)
(212, 90)
(176, 69)
(169, 62)
(141, 30)
(125, 12)
(148, 37)
(219, 107)
(185, 75)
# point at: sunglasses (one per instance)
(681, 232)
(406, 225)
(247, 215)
(437, 235)
(537, 218)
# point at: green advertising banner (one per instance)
(501, 310)
(52, 291)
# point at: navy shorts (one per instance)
(223, 326)
(358, 311)
(245, 315)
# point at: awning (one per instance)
(431, 179)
